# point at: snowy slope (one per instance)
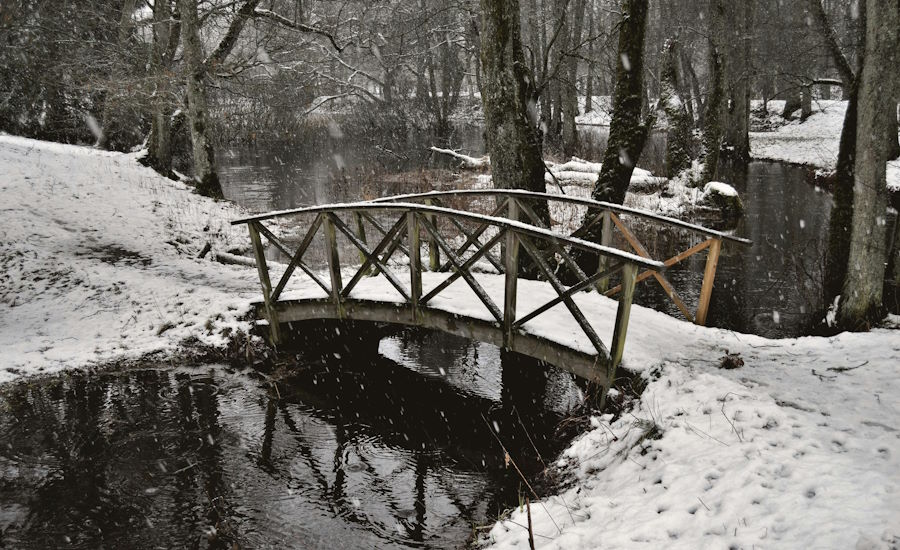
(98, 260)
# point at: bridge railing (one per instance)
(389, 239)
(614, 223)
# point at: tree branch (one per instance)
(821, 18)
(302, 27)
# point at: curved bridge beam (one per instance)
(594, 368)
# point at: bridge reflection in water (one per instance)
(359, 452)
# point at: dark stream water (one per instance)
(393, 450)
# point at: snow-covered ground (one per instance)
(798, 448)
(98, 260)
(813, 142)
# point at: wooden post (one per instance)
(709, 276)
(361, 234)
(334, 262)
(605, 240)
(415, 263)
(263, 269)
(629, 275)
(434, 253)
(511, 261)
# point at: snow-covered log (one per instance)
(465, 160)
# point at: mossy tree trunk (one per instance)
(627, 131)
(207, 180)
(165, 41)
(876, 109)
(711, 143)
(678, 140)
(735, 46)
(510, 125)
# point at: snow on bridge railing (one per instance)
(404, 228)
(600, 223)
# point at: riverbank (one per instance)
(98, 256)
(813, 142)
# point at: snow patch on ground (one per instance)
(893, 175)
(98, 260)
(799, 448)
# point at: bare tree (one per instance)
(862, 298)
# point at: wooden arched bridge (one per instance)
(483, 264)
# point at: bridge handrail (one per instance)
(590, 203)
(504, 223)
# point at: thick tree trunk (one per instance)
(126, 27)
(712, 113)
(510, 125)
(841, 218)
(627, 133)
(735, 46)
(570, 85)
(160, 146)
(207, 180)
(678, 140)
(862, 297)
(805, 102)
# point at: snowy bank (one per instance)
(813, 142)
(798, 448)
(99, 263)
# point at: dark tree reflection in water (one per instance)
(351, 453)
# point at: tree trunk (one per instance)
(627, 133)
(678, 140)
(570, 85)
(735, 47)
(160, 146)
(805, 102)
(712, 113)
(589, 77)
(510, 125)
(841, 218)
(791, 104)
(207, 180)
(126, 27)
(862, 297)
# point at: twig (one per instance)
(521, 475)
(845, 369)
(538, 453)
(530, 531)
